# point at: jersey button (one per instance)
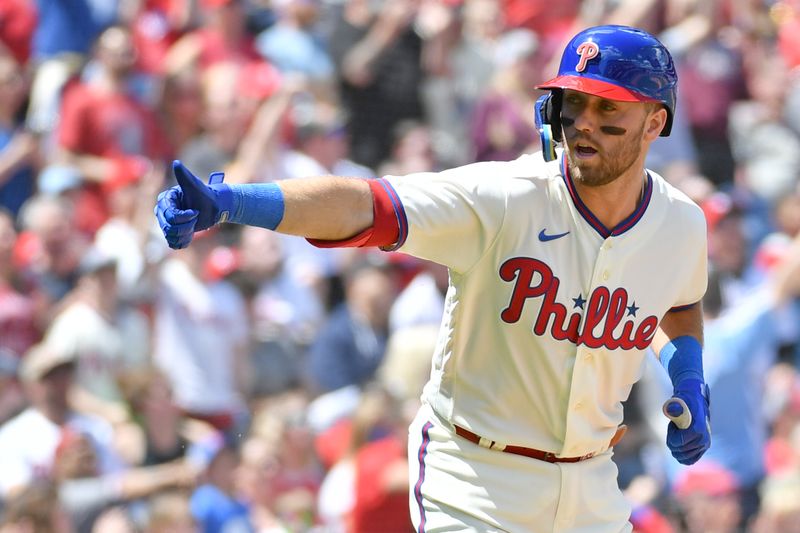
(588, 356)
(578, 404)
(605, 275)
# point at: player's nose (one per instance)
(585, 120)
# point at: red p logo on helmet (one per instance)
(587, 50)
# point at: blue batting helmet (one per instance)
(619, 63)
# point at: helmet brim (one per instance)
(593, 86)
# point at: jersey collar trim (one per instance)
(593, 221)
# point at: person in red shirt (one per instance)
(18, 327)
(380, 463)
(550, 20)
(381, 499)
(105, 132)
(157, 26)
(222, 38)
(17, 22)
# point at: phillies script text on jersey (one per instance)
(603, 306)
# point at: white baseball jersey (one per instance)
(548, 313)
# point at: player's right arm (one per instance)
(453, 215)
(329, 208)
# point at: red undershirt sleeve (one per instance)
(389, 227)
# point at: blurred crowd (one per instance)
(254, 383)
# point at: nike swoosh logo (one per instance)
(545, 237)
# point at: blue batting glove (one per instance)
(213, 202)
(178, 225)
(192, 206)
(688, 445)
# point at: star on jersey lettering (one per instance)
(579, 301)
(632, 309)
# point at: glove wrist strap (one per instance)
(253, 204)
(225, 203)
(683, 359)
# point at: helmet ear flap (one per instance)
(554, 112)
(548, 122)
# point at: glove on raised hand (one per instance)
(192, 206)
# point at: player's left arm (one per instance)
(678, 345)
(688, 321)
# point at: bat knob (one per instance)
(676, 410)
(673, 409)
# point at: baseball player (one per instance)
(563, 269)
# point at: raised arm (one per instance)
(325, 207)
(329, 208)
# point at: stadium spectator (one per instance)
(181, 110)
(708, 495)
(127, 237)
(708, 117)
(19, 329)
(61, 44)
(280, 472)
(765, 145)
(169, 512)
(18, 147)
(214, 503)
(200, 339)
(502, 126)
(165, 433)
(412, 150)
(378, 58)
(35, 509)
(19, 20)
(421, 302)
(106, 131)
(292, 45)
(351, 344)
(366, 490)
(243, 108)
(780, 508)
(285, 312)
(29, 441)
(256, 481)
(222, 37)
(156, 26)
(104, 337)
(85, 493)
(48, 252)
(12, 400)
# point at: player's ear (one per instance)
(655, 121)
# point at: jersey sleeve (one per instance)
(697, 260)
(454, 216)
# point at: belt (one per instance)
(550, 457)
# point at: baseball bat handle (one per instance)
(676, 410)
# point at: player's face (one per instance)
(604, 138)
